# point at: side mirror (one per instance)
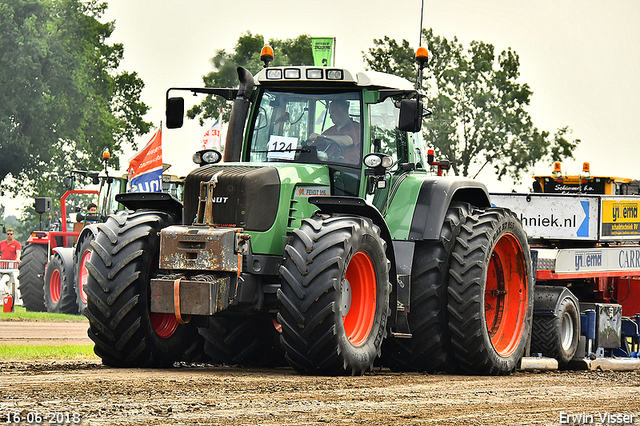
(68, 182)
(410, 115)
(94, 177)
(175, 113)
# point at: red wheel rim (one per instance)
(82, 279)
(55, 286)
(164, 324)
(362, 278)
(505, 300)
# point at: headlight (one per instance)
(375, 160)
(274, 74)
(372, 160)
(335, 75)
(207, 156)
(314, 74)
(292, 73)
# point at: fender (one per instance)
(66, 254)
(151, 201)
(87, 230)
(434, 198)
(547, 299)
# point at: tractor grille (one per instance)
(244, 197)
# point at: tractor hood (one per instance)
(252, 195)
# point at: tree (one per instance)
(477, 104)
(246, 54)
(61, 100)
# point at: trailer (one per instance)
(584, 234)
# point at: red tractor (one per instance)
(52, 271)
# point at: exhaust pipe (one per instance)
(239, 112)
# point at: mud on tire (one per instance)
(334, 295)
(429, 349)
(490, 293)
(31, 277)
(124, 259)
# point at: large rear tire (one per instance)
(334, 295)
(557, 336)
(59, 295)
(429, 348)
(31, 277)
(123, 261)
(249, 341)
(490, 293)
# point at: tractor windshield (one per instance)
(107, 203)
(312, 127)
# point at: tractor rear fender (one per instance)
(434, 198)
(158, 201)
(66, 254)
(547, 299)
(90, 229)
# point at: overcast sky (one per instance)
(580, 57)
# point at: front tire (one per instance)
(123, 261)
(31, 277)
(490, 293)
(59, 295)
(334, 295)
(80, 276)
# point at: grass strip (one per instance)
(28, 352)
(21, 314)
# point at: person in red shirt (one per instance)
(10, 249)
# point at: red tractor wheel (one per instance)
(334, 295)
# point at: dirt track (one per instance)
(233, 396)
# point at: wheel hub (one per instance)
(345, 297)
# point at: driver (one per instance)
(344, 132)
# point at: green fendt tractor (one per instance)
(320, 241)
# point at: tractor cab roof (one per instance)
(291, 75)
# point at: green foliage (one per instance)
(479, 115)
(61, 100)
(246, 54)
(28, 352)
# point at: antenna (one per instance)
(421, 18)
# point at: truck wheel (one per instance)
(80, 274)
(429, 348)
(59, 296)
(334, 295)
(557, 336)
(490, 293)
(31, 277)
(124, 259)
(249, 341)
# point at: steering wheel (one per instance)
(334, 150)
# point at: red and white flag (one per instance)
(212, 139)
